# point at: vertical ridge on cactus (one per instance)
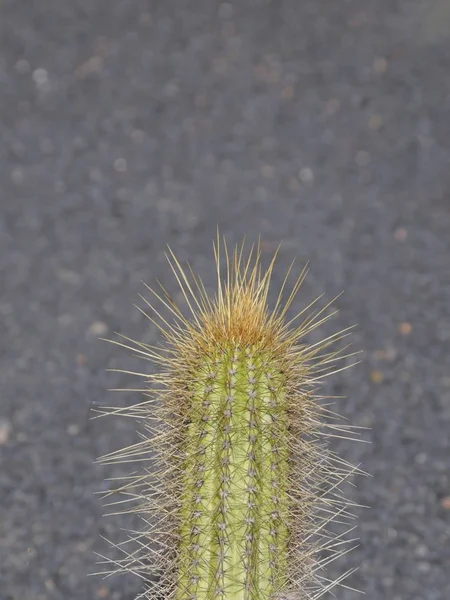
(238, 488)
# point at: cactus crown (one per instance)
(241, 488)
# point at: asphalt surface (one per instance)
(126, 126)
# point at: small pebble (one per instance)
(95, 175)
(288, 92)
(375, 122)
(171, 89)
(400, 234)
(97, 328)
(145, 19)
(137, 136)
(40, 78)
(46, 146)
(5, 430)
(388, 354)
(392, 534)
(294, 184)
(379, 66)
(421, 551)
(82, 547)
(306, 175)
(423, 566)
(69, 276)
(65, 319)
(22, 66)
(445, 503)
(93, 66)
(376, 376)
(120, 165)
(50, 584)
(81, 360)
(405, 328)
(267, 171)
(79, 143)
(73, 429)
(421, 458)
(332, 106)
(17, 176)
(267, 72)
(362, 158)
(261, 194)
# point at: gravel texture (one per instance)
(125, 126)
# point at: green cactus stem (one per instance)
(240, 486)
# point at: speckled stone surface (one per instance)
(125, 126)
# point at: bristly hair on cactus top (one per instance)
(239, 496)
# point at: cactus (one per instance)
(238, 488)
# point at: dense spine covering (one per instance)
(238, 500)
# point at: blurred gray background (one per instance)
(125, 126)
